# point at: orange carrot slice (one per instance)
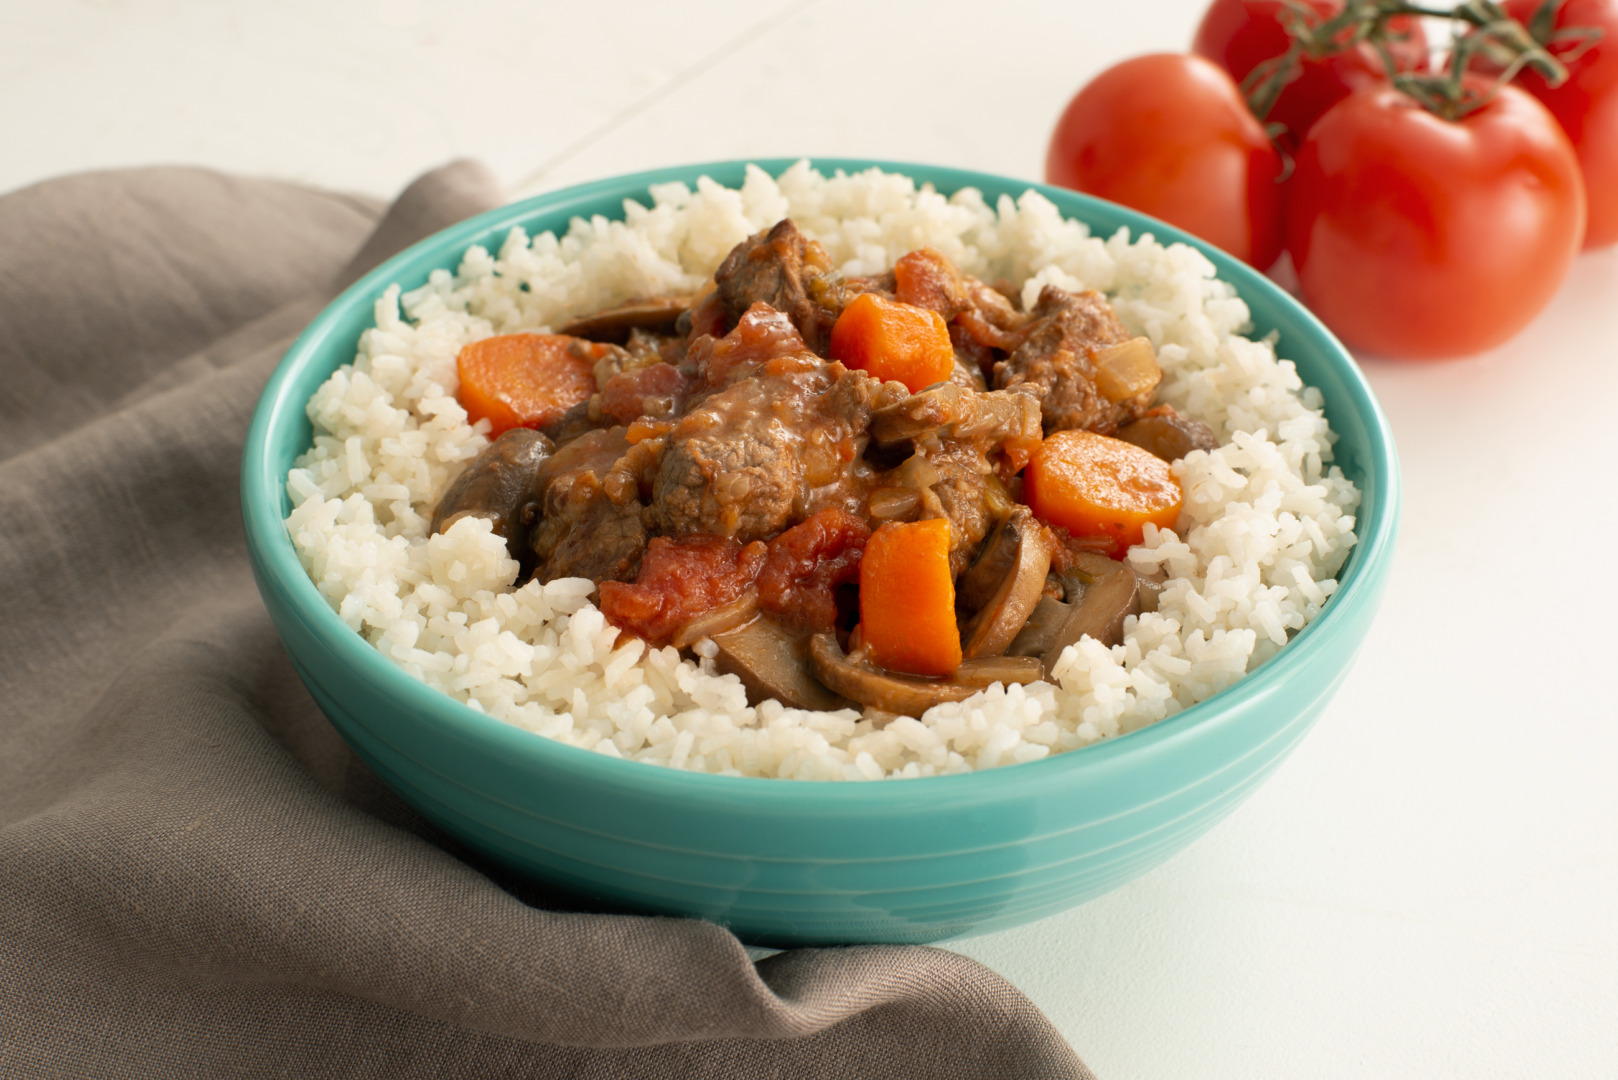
(893, 341)
(907, 599)
(525, 380)
(1096, 486)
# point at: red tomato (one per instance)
(1171, 136)
(1416, 236)
(1586, 105)
(1238, 35)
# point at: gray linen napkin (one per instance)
(197, 878)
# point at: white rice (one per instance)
(1267, 524)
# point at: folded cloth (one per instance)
(197, 877)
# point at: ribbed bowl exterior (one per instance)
(787, 862)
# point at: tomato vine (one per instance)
(1487, 33)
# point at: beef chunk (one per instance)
(766, 452)
(779, 268)
(968, 370)
(963, 498)
(590, 525)
(761, 335)
(834, 292)
(974, 442)
(1056, 354)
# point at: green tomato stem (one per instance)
(1489, 34)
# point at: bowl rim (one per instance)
(271, 549)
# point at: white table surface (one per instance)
(1428, 886)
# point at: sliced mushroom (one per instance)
(996, 559)
(907, 695)
(1110, 594)
(717, 620)
(1151, 588)
(1045, 633)
(1043, 627)
(770, 661)
(1018, 590)
(573, 423)
(501, 484)
(1169, 435)
(656, 313)
(988, 670)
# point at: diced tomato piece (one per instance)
(680, 578)
(807, 563)
(654, 390)
(761, 335)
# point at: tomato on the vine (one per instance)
(1170, 135)
(1239, 35)
(1423, 237)
(1586, 105)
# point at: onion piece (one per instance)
(1127, 369)
(915, 472)
(892, 503)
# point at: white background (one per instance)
(1428, 886)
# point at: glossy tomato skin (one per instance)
(1238, 35)
(1586, 105)
(1170, 135)
(1422, 238)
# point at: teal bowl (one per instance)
(789, 862)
